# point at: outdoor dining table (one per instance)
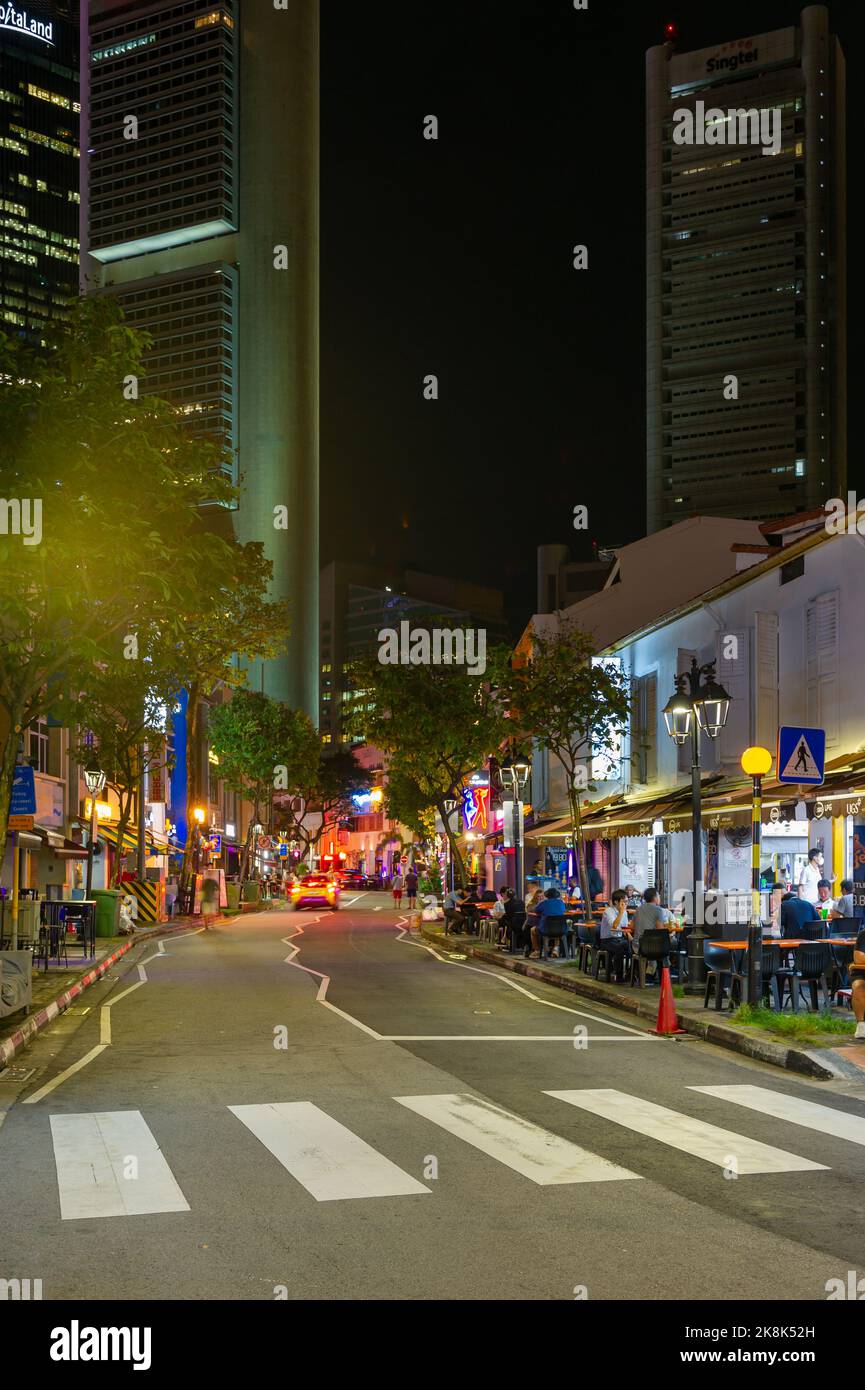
(55, 911)
(786, 943)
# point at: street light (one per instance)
(698, 702)
(94, 780)
(756, 762)
(514, 773)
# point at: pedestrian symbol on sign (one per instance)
(801, 755)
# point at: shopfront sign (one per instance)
(476, 801)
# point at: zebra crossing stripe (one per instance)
(536, 1153)
(720, 1146)
(806, 1113)
(331, 1162)
(110, 1165)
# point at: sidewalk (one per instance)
(823, 1063)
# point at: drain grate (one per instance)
(17, 1073)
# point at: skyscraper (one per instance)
(39, 167)
(203, 198)
(746, 275)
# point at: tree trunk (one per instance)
(8, 760)
(250, 830)
(579, 847)
(192, 724)
(125, 817)
(456, 856)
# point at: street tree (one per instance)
(263, 747)
(573, 707)
(104, 530)
(121, 722)
(326, 794)
(438, 724)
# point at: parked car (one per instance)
(352, 878)
(315, 890)
(373, 882)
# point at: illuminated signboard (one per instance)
(475, 808)
(21, 21)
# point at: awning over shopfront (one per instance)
(155, 844)
(43, 837)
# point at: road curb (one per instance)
(775, 1054)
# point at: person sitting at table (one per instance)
(610, 932)
(825, 901)
(497, 912)
(451, 905)
(857, 985)
(535, 900)
(844, 905)
(796, 912)
(514, 918)
(548, 911)
(649, 916)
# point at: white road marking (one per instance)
(512, 984)
(321, 996)
(92, 1153)
(528, 1149)
(65, 1075)
(516, 1037)
(331, 1162)
(719, 1146)
(105, 1024)
(806, 1113)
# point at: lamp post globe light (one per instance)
(514, 773)
(698, 703)
(94, 780)
(756, 762)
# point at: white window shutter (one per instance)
(684, 752)
(733, 674)
(766, 678)
(821, 664)
(651, 727)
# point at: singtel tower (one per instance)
(202, 187)
(746, 275)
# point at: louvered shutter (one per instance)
(733, 671)
(650, 725)
(821, 664)
(766, 678)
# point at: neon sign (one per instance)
(476, 800)
(20, 22)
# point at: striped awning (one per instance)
(154, 843)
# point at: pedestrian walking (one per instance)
(209, 901)
(411, 888)
(397, 885)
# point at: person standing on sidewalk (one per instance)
(857, 985)
(397, 884)
(411, 888)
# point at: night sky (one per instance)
(454, 257)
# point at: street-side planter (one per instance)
(251, 893)
(232, 891)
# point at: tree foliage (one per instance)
(568, 704)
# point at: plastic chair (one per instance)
(812, 963)
(654, 945)
(718, 964)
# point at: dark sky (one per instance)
(454, 257)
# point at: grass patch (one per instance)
(792, 1025)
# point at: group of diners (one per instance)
(546, 923)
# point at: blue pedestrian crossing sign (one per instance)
(801, 755)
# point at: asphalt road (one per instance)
(316, 1105)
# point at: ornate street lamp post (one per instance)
(514, 773)
(697, 703)
(94, 780)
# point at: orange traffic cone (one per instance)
(667, 1021)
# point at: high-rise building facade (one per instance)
(39, 168)
(746, 275)
(202, 185)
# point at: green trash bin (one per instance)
(107, 911)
